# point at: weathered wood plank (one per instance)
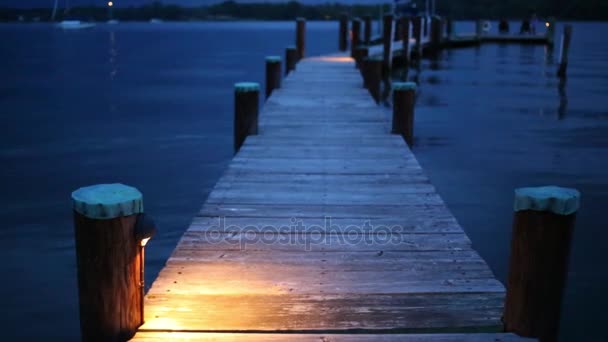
(232, 337)
(324, 222)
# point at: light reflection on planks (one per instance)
(323, 164)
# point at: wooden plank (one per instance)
(232, 337)
(324, 222)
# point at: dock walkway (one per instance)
(324, 224)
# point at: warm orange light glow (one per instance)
(547, 24)
(144, 242)
(334, 59)
(110, 4)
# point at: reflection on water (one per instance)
(494, 118)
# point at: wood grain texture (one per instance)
(324, 222)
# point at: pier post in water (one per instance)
(436, 30)
(355, 39)
(343, 33)
(405, 38)
(550, 34)
(273, 74)
(449, 27)
(540, 247)
(301, 37)
(367, 29)
(373, 76)
(291, 59)
(404, 98)
(387, 36)
(417, 32)
(246, 107)
(563, 53)
(109, 258)
(479, 28)
(360, 53)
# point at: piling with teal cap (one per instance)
(246, 108)
(404, 99)
(273, 74)
(543, 226)
(109, 260)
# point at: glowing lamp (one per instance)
(110, 4)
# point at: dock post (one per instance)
(479, 28)
(397, 33)
(360, 53)
(417, 32)
(542, 232)
(355, 39)
(273, 74)
(450, 27)
(405, 38)
(246, 107)
(435, 37)
(550, 31)
(367, 20)
(301, 37)
(387, 36)
(425, 26)
(373, 79)
(404, 97)
(563, 53)
(343, 33)
(109, 256)
(291, 58)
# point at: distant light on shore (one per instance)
(110, 4)
(547, 24)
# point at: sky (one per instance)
(49, 3)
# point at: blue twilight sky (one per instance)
(49, 3)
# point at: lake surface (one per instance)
(151, 106)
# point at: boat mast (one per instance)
(54, 10)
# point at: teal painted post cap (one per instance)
(246, 86)
(107, 201)
(273, 59)
(404, 86)
(561, 201)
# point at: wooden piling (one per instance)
(436, 29)
(109, 261)
(550, 34)
(301, 37)
(425, 26)
(397, 33)
(373, 78)
(360, 53)
(355, 39)
(450, 27)
(404, 98)
(540, 247)
(387, 28)
(343, 33)
(563, 53)
(405, 39)
(417, 32)
(367, 37)
(273, 74)
(246, 107)
(479, 28)
(291, 58)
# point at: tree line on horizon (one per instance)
(232, 10)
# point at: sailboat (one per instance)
(69, 24)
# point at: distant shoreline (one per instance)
(265, 11)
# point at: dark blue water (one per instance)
(151, 106)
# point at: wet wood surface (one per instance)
(324, 223)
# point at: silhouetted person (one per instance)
(503, 26)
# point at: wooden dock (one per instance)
(324, 227)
